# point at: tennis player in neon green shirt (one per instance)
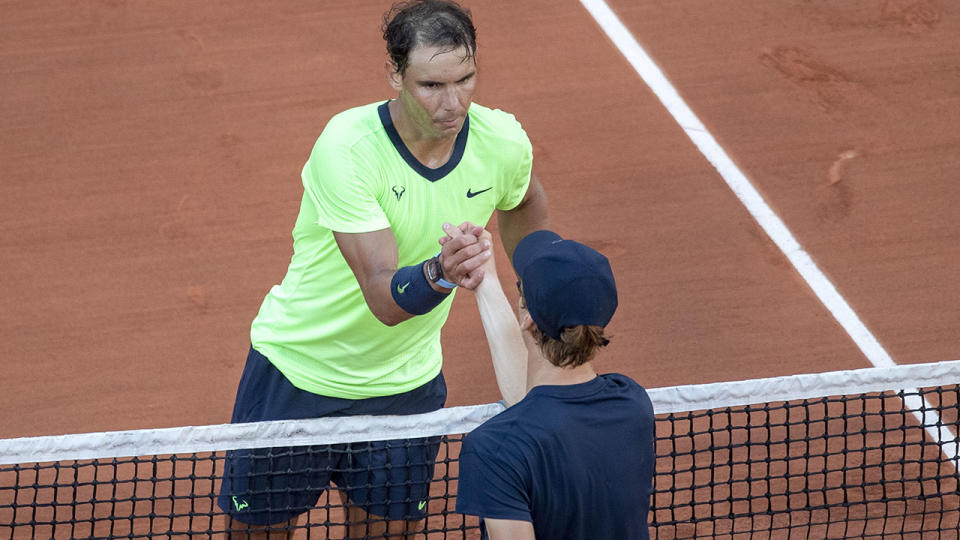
(354, 327)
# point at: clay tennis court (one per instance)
(151, 156)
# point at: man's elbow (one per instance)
(389, 317)
(389, 314)
(386, 311)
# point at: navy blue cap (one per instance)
(565, 283)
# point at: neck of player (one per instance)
(430, 150)
(541, 372)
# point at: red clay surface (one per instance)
(151, 157)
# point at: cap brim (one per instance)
(530, 246)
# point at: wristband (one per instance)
(412, 292)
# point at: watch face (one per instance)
(434, 271)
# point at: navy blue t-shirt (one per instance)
(576, 460)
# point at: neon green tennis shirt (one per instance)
(315, 326)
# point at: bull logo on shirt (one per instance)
(399, 191)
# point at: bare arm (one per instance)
(509, 529)
(530, 215)
(507, 347)
(503, 335)
(373, 258)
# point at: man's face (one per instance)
(437, 88)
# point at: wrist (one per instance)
(413, 292)
(434, 270)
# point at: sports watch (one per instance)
(435, 273)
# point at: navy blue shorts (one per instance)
(268, 486)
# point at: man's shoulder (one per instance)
(364, 112)
(622, 393)
(492, 114)
(502, 441)
(502, 420)
(515, 424)
(353, 124)
(500, 124)
(493, 430)
(619, 380)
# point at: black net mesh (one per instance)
(861, 465)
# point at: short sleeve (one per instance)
(491, 487)
(518, 180)
(343, 189)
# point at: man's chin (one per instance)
(446, 128)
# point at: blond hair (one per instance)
(577, 345)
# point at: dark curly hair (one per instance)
(427, 22)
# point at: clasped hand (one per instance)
(465, 250)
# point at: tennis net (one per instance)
(867, 453)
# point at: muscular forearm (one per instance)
(376, 290)
(373, 258)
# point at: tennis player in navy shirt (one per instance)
(573, 458)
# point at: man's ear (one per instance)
(394, 78)
(526, 322)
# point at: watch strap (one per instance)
(440, 281)
(444, 283)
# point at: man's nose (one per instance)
(451, 98)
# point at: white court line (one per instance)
(753, 201)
